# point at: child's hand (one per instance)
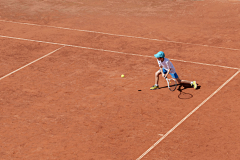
(163, 75)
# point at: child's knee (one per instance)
(157, 73)
(178, 80)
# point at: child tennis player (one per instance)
(166, 67)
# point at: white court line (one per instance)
(213, 65)
(171, 130)
(179, 123)
(119, 35)
(31, 63)
(112, 51)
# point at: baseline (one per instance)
(96, 49)
(180, 122)
(111, 34)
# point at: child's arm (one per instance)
(162, 71)
(164, 75)
(169, 69)
(167, 72)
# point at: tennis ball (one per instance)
(122, 75)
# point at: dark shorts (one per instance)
(174, 75)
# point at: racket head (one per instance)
(172, 84)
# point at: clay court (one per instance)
(61, 92)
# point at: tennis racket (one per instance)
(172, 84)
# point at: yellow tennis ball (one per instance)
(122, 75)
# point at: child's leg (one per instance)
(192, 83)
(183, 81)
(156, 80)
(157, 77)
(175, 76)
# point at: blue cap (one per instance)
(160, 54)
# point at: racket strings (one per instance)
(172, 84)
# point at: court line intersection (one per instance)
(188, 115)
(104, 50)
(30, 63)
(64, 45)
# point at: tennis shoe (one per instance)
(194, 84)
(154, 87)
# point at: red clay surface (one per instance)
(211, 133)
(15, 53)
(73, 104)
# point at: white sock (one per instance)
(191, 82)
(156, 84)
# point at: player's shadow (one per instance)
(184, 95)
(181, 87)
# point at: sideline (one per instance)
(179, 123)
